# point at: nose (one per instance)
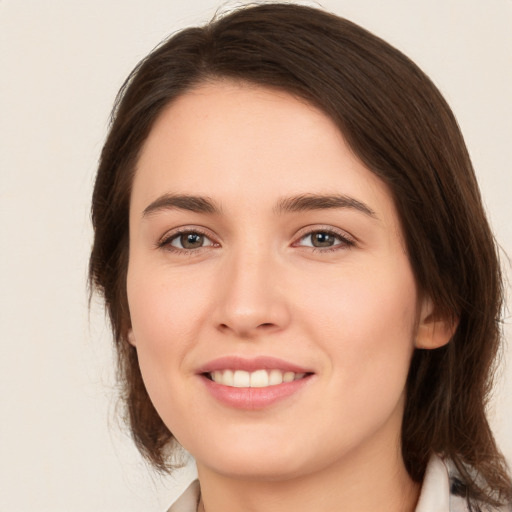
(251, 298)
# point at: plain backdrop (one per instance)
(61, 64)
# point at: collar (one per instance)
(434, 497)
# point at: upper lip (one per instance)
(251, 364)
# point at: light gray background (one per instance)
(61, 64)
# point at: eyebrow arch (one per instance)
(300, 203)
(182, 202)
(307, 202)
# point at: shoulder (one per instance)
(436, 495)
(441, 491)
(444, 491)
(188, 501)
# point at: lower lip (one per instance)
(254, 398)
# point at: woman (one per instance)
(303, 287)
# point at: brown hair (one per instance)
(398, 124)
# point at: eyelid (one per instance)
(164, 242)
(325, 229)
(346, 238)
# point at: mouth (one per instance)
(255, 383)
(261, 378)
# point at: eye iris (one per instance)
(321, 239)
(191, 240)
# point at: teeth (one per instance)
(259, 379)
(242, 379)
(256, 379)
(288, 377)
(275, 377)
(228, 377)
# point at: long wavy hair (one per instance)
(398, 124)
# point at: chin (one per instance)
(260, 468)
(255, 458)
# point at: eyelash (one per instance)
(166, 241)
(345, 241)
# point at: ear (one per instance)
(434, 330)
(131, 338)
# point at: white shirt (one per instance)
(435, 493)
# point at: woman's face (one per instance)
(261, 249)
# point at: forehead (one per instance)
(238, 140)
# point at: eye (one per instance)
(325, 239)
(186, 241)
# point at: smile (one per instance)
(254, 383)
(256, 379)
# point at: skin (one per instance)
(350, 313)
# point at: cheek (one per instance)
(165, 307)
(156, 318)
(168, 310)
(366, 321)
(163, 321)
(365, 325)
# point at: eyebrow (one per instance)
(183, 202)
(300, 203)
(306, 202)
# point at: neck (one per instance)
(357, 484)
